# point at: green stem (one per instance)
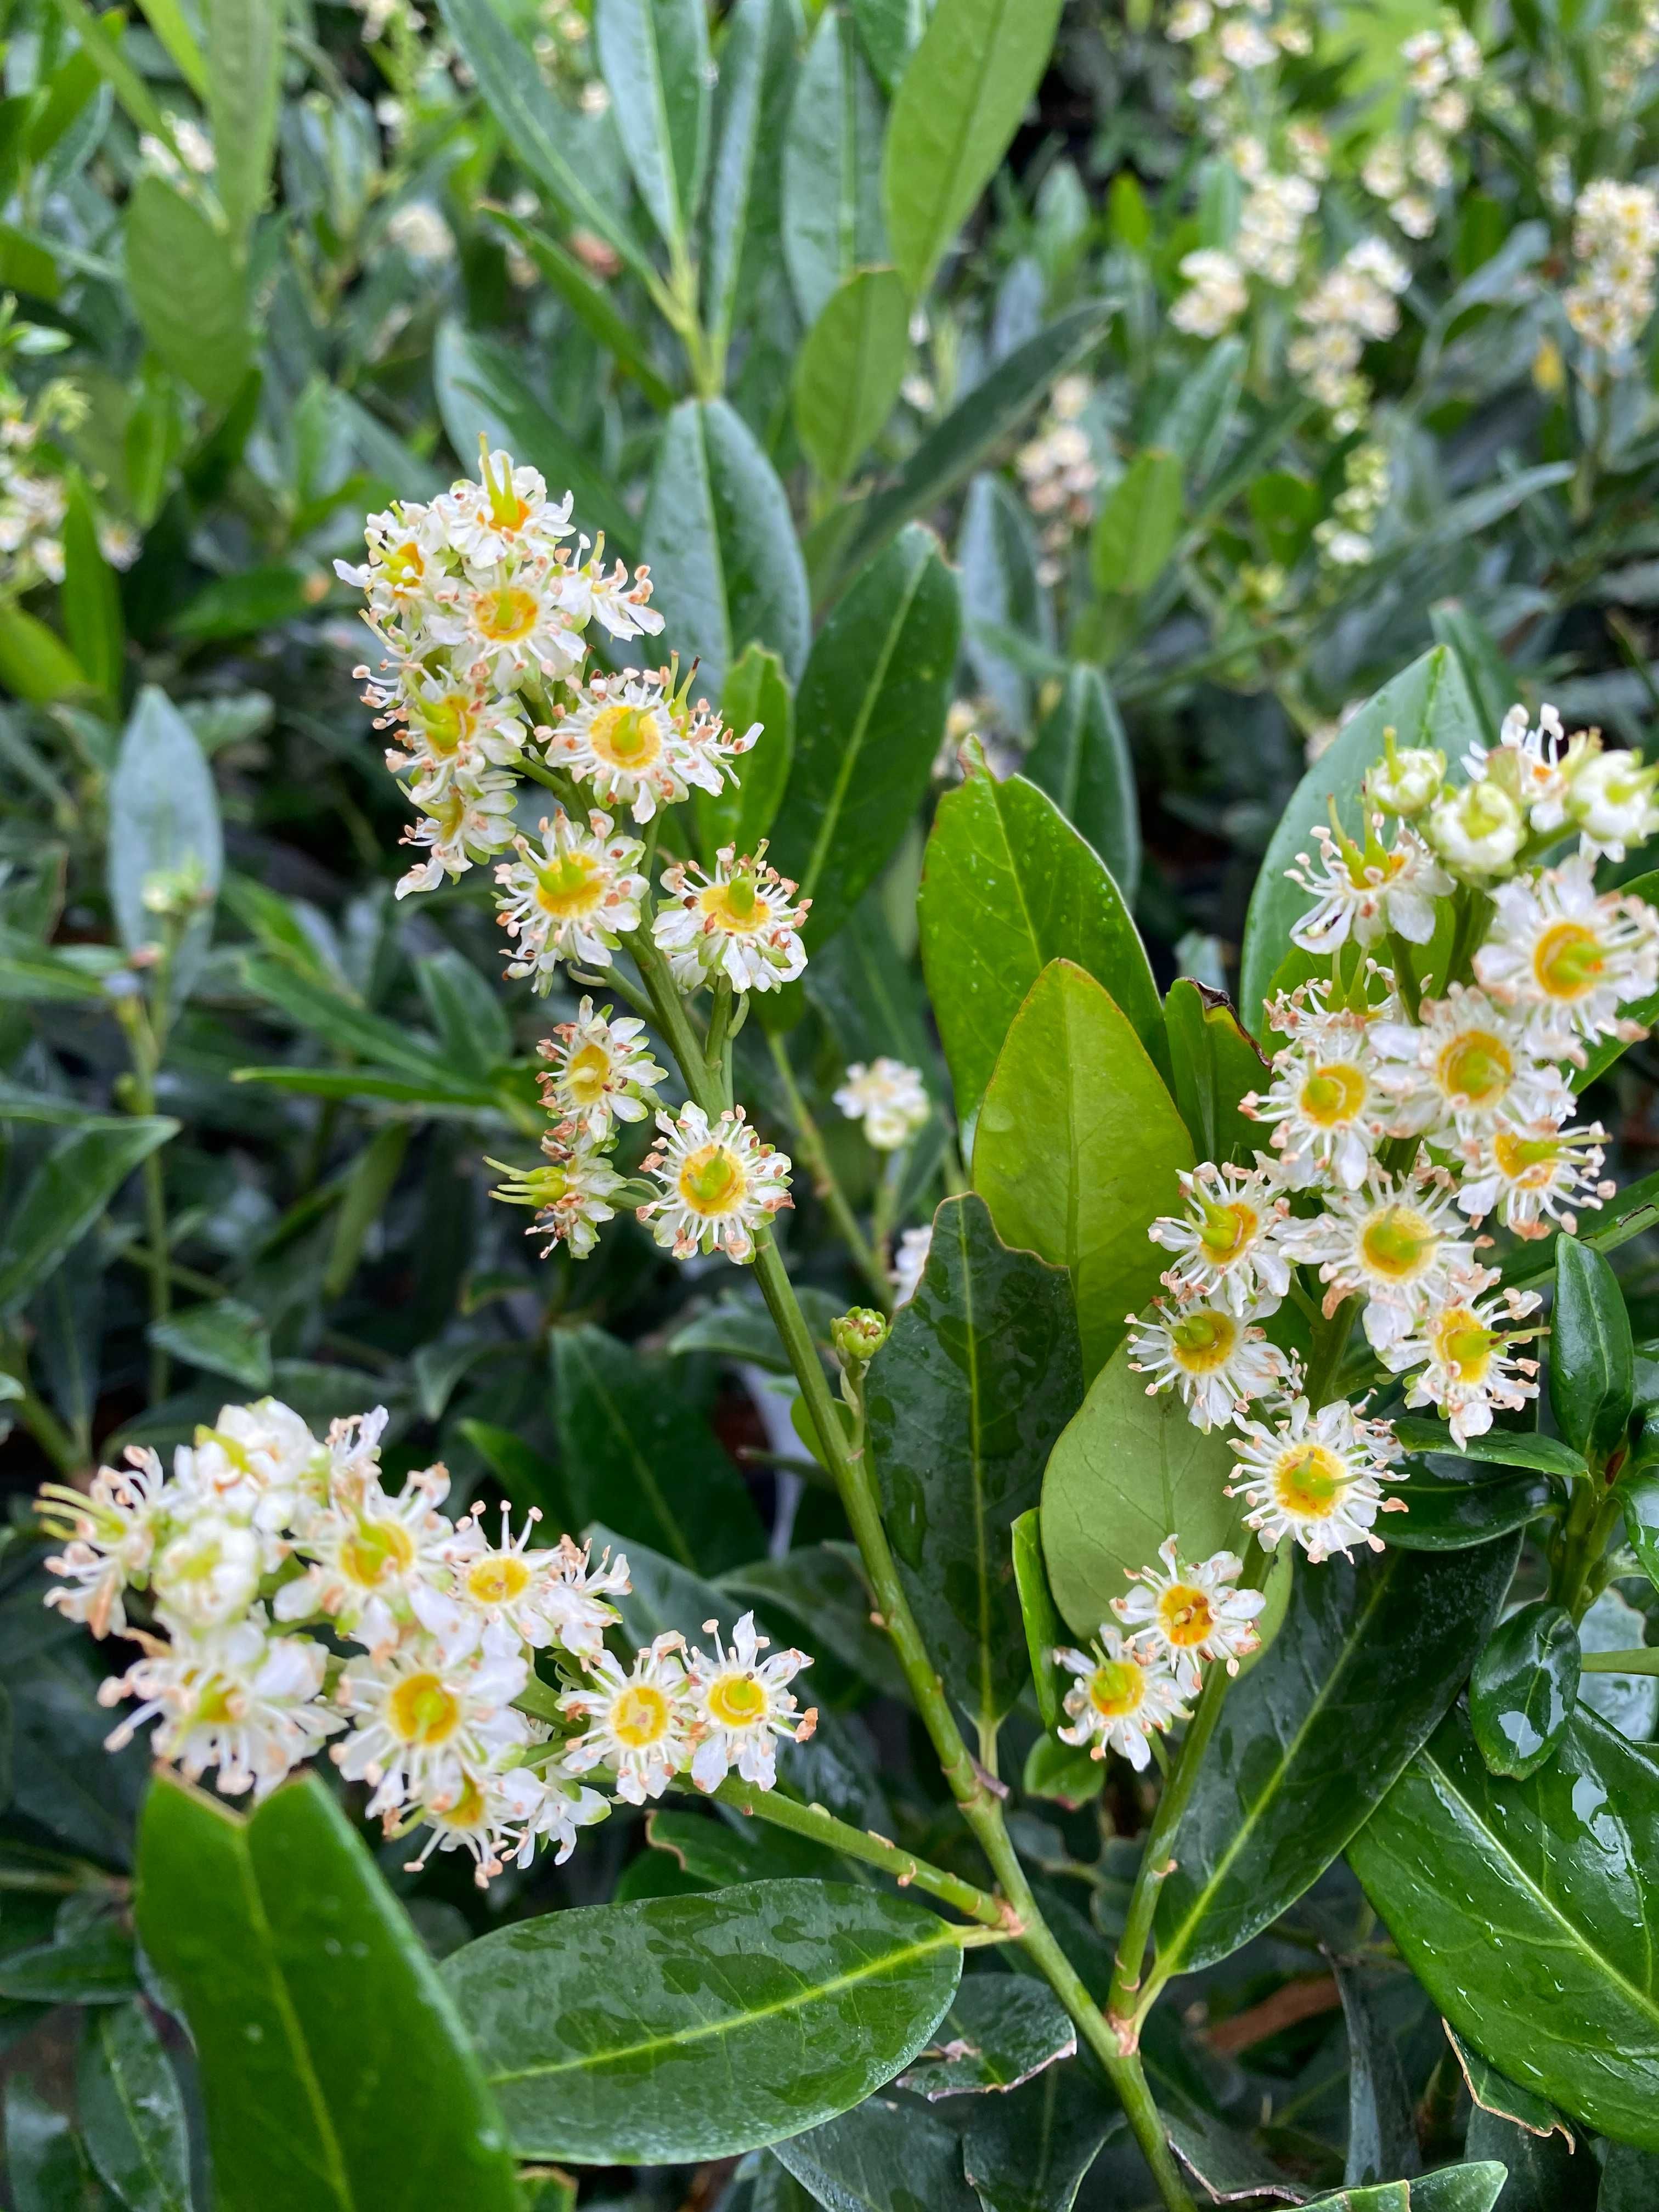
(48, 1432)
(1644, 1661)
(1590, 1520)
(810, 1139)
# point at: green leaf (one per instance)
(1194, 425)
(1630, 2180)
(1641, 1496)
(527, 1479)
(756, 64)
(683, 2028)
(958, 103)
(1008, 618)
(46, 2164)
(480, 392)
(1368, 1660)
(889, 31)
(1382, 2139)
(93, 1967)
(1039, 1617)
(589, 302)
(1214, 1063)
(1082, 760)
(238, 604)
(164, 822)
(1430, 704)
(823, 1585)
(1062, 1771)
(831, 182)
(1111, 1152)
(34, 662)
(91, 599)
(756, 691)
(1592, 1363)
(188, 290)
(1001, 2030)
(1452, 2188)
(885, 2157)
(167, 20)
(67, 1193)
(224, 1336)
(963, 1404)
(1447, 1513)
(1525, 1908)
(1138, 526)
(635, 1453)
(1490, 2090)
(1546, 2173)
(334, 2071)
(132, 2114)
(469, 1017)
(1129, 1471)
(849, 372)
(243, 71)
(1028, 2151)
(726, 567)
(869, 715)
(1524, 1687)
(327, 1013)
(653, 56)
(1008, 887)
(1497, 1448)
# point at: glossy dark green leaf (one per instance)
(334, 2071)
(1001, 2030)
(1641, 1497)
(883, 2157)
(1082, 760)
(1528, 1910)
(869, 715)
(592, 305)
(1497, 1448)
(67, 1193)
(848, 371)
(1028, 2151)
(653, 56)
(726, 569)
(1447, 1512)
(1008, 623)
(1451, 2188)
(1129, 1471)
(756, 64)
(1044, 1631)
(756, 691)
(962, 1406)
(1382, 2140)
(715, 1853)
(635, 1453)
(1009, 885)
(1112, 1151)
(187, 289)
(132, 2115)
(832, 220)
(821, 1587)
(526, 1478)
(1630, 2180)
(93, 1967)
(164, 821)
(1367, 1661)
(1213, 1064)
(47, 2169)
(1493, 2092)
(958, 103)
(1546, 2173)
(871, 999)
(1591, 1358)
(222, 1336)
(1430, 704)
(888, 31)
(91, 598)
(681, 2028)
(1524, 1686)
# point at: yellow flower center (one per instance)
(507, 615)
(1308, 1481)
(1477, 1067)
(447, 722)
(1227, 1229)
(376, 1550)
(497, 1578)
(737, 1700)
(1568, 960)
(736, 905)
(1116, 1687)
(572, 884)
(469, 1809)
(639, 1716)
(627, 737)
(1203, 1340)
(1463, 1343)
(449, 813)
(404, 565)
(1529, 1162)
(586, 1072)
(420, 1710)
(1398, 1242)
(711, 1181)
(218, 1702)
(1333, 1094)
(1185, 1615)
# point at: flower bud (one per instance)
(1477, 831)
(859, 1335)
(1407, 781)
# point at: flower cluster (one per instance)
(888, 1097)
(1406, 168)
(1615, 242)
(1057, 472)
(1233, 42)
(1352, 305)
(1345, 537)
(264, 1540)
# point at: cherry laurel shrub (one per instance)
(1204, 1429)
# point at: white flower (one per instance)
(1530, 1173)
(740, 920)
(1214, 1360)
(544, 1597)
(367, 1553)
(1567, 960)
(1461, 1347)
(1193, 1612)
(573, 897)
(1270, 226)
(1476, 831)
(465, 822)
(742, 1707)
(1463, 1065)
(558, 1811)
(1215, 297)
(421, 232)
(1396, 1244)
(639, 1724)
(1126, 1690)
(234, 1698)
(255, 1464)
(448, 730)
(720, 1184)
(909, 1262)
(506, 515)
(1536, 768)
(1189, 19)
(1227, 1245)
(598, 1071)
(1612, 804)
(429, 1714)
(571, 1194)
(1615, 239)
(636, 739)
(1368, 891)
(1328, 1112)
(207, 1574)
(888, 1097)
(1244, 46)
(1407, 779)
(1315, 1477)
(109, 1536)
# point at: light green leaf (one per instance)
(67, 1193)
(725, 566)
(869, 715)
(34, 662)
(1213, 1064)
(132, 2114)
(222, 1336)
(683, 2028)
(1128, 1472)
(168, 21)
(164, 823)
(91, 600)
(849, 372)
(334, 2073)
(1008, 886)
(653, 55)
(1138, 526)
(188, 290)
(756, 691)
(958, 103)
(1082, 760)
(243, 71)
(831, 181)
(1073, 1073)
